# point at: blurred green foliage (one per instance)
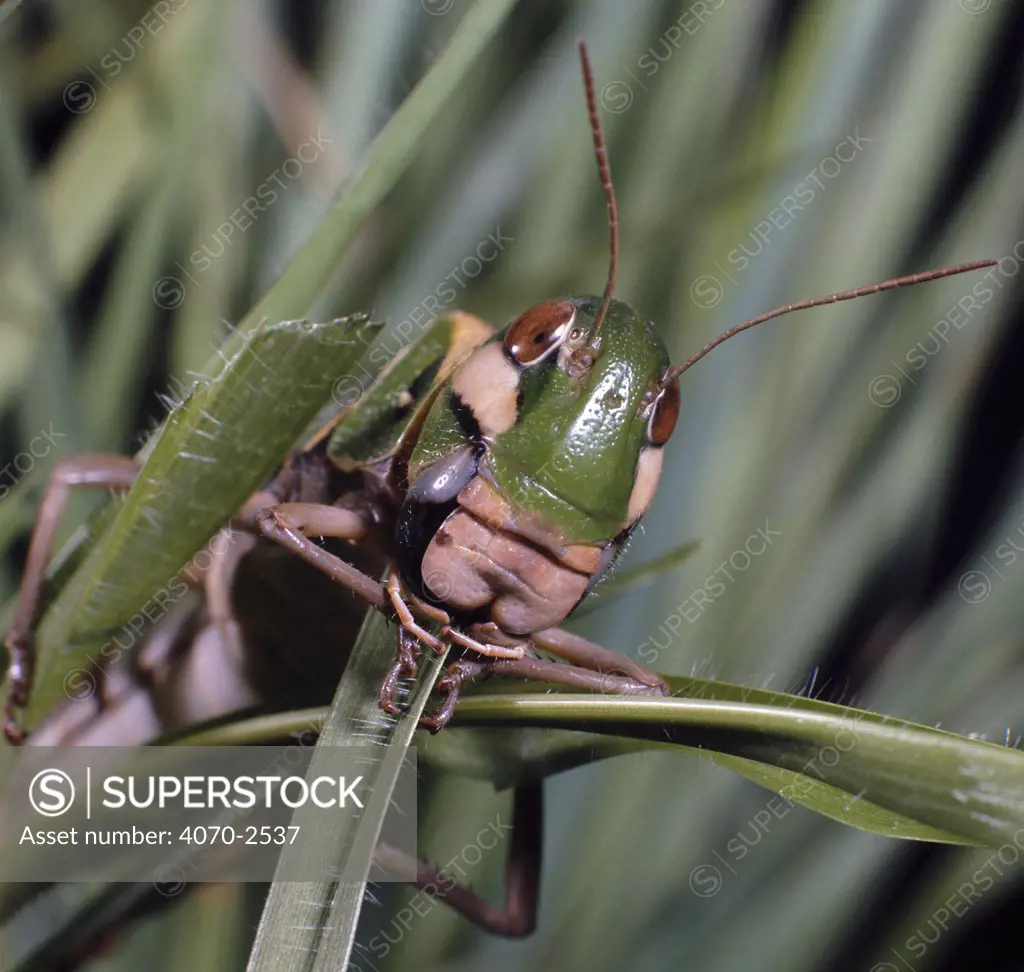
(160, 165)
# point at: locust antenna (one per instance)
(877, 288)
(605, 172)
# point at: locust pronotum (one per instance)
(500, 473)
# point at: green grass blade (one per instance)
(390, 155)
(312, 925)
(950, 787)
(211, 454)
(879, 774)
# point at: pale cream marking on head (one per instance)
(468, 334)
(488, 383)
(648, 472)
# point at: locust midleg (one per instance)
(587, 654)
(173, 678)
(98, 471)
(463, 671)
(291, 524)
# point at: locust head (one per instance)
(566, 411)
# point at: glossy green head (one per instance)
(566, 409)
(570, 432)
(574, 452)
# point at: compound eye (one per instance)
(539, 330)
(665, 414)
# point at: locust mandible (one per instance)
(497, 476)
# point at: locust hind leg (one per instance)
(517, 917)
(224, 552)
(79, 472)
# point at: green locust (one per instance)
(478, 490)
(491, 478)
